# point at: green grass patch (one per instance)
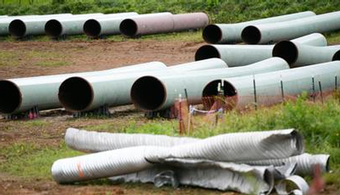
(8, 58)
(32, 161)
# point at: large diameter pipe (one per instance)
(150, 24)
(268, 33)
(75, 25)
(231, 33)
(19, 28)
(151, 93)
(4, 23)
(234, 55)
(78, 94)
(271, 88)
(300, 55)
(162, 24)
(189, 21)
(95, 28)
(21, 94)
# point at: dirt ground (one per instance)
(80, 56)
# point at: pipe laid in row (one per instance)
(279, 31)
(234, 55)
(150, 93)
(272, 88)
(231, 33)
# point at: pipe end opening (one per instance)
(212, 34)
(286, 50)
(336, 56)
(75, 94)
(92, 28)
(251, 35)
(17, 28)
(10, 97)
(53, 28)
(206, 52)
(128, 27)
(148, 93)
(211, 90)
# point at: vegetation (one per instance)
(219, 10)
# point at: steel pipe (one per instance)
(152, 93)
(75, 25)
(300, 55)
(95, 28)
(272, 88)
(162, 24)
(280, 31)
(21, 94)
(19, 28)
(231, 33)
(4, 23)
(78, 94)
(234, 55)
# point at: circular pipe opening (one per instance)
(251, 35)
(75, 94)
(148, 93)
(299, 141)
(53, 28)
(327, 167)
(336, 56)
(10, 97)
(212, 34)
(286, 50)
(206, 52)
(128, 27)
(211, 90)
(92, 28)
(17, 28)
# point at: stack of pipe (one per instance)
(21, 94)
(279, 31)
(75, 25)
(22, 27)
(78, 94)
(165, 23)
(152, 93)
(246, 162)
(234, 55)
(231, 33)
(272, 88)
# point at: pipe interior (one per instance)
(336, 56)
(286, 50)
(17, 28)
(75, 94)
(92, 28)
(128, 27)
(148, 93)
(206, 52)
(53, 28)
(212, 34)
(211, 89)
(10, 97)
(251, 35)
